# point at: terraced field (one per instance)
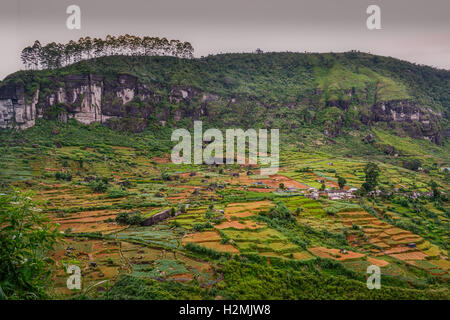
(394, 242)
(220, 213)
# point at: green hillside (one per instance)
(275, 77)
(226, 232)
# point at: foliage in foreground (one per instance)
(247, 280)
(25, 236)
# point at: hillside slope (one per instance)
(331, 92)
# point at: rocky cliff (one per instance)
(125, 103)
(91, 98)
(417, 121)
(15, 110)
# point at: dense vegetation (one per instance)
(259, 281)
(26, 237)
(332, 93)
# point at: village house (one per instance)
(313, 195)
(352, 190)
(374, 193)
(339, 194)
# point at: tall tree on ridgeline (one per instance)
(55, 55)
(36, 54)
(98, 47)
(26, 57)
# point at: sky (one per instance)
(413, 30)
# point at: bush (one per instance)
(99, 185)
(202, 226)
(129, 218)
(413, 164)
(281, 212)
(116, 193)
(67, 176)
(26, 234)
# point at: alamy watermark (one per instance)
(374, 280)
(74, 19)
(373, 22)
(213, 152)
(74, 281)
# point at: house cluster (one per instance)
(416, 194)
(411, 195)
(341, 194)
(332, 194)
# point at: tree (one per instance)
(27, 57)
(87, 46)
(148, 45)
(341, 182)
(372, 171)
(435, 190)
(52, 55)
(99, 46)
(36, 54)
(26, 235)
(413, 164)
(55, 55)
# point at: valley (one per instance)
(361, 178)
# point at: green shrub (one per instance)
(99, 185)
(67, 176)
(129, 218)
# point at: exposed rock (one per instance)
(15, 111)
(124, 103)
(415, 120)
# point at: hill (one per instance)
(331, 91)
(91, 141)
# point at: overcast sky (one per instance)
(414, 30)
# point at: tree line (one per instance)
(55, 55)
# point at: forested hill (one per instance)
(331, 92)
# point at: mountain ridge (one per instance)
(331, 91)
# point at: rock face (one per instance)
(417, 121)
(160, 216)
(122, 102)
(15, 111)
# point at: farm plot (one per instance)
(266, 183)
(394, 242)
(89, 221)
(210, 240)
(260, 241)
(335, 254)
(160, 235)
(246, 209)
(239, 215)
(98, 260)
